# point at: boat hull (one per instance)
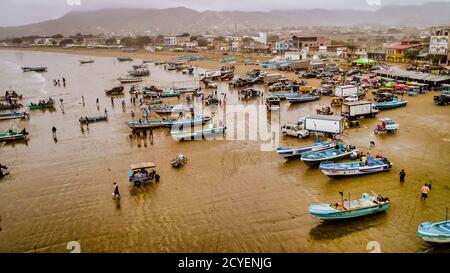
(438, 233)
(315, 162)
(338, 215)
(296, 152)
(302, 99)
(198, 135)
(338, 173)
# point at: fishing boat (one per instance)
(299, 99)
(139, 72)
(93, 119)
(296, 152)
(124, 59)
(13, 135)
(145, 124)
(435, 232)
(118, 90)
(35, 69)
(14, 115)
(373, 165)
(169, 93)
(169, 109)
(197, 135)
(10, 106)
(129, 80)
(152, 102)
(184, 122)
(11, 96)
(147, 61)
(367, 204)
(280, 95)
(333, 154)
(86, 61)
(139, 66)
(50, 103)
(394, 103)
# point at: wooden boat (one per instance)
(373, 165)
(145, 124)
(13, 135)
(299, 99)
(197, 135)
(333, 154)
(35, 69)
(169, 109)
(368, 204)
(124, 59)
(10, 106)
(93, 119)
(184, 122)
(129, 80)
(118, 90)
(296, 152)
(86, 61)
(152, 102)
(147, 61)
(391, 104)
(13, 115)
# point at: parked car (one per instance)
(351, 98)
(294, 130)
(443, 99)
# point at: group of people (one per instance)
(57, 82)
(43, 102)
(425, 190)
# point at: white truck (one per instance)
(346, 90)
(357, 109)
(323, 124)
(272, 78)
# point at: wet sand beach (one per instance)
(230, 197)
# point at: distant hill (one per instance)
(179, 20)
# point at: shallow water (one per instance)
(230, 197)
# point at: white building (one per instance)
(293, 56)
(170, 41)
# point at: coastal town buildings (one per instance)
(440, 42)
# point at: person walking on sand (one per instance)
(116, 194)
(425, 190)
(64, 82)
(402, 176)
(54, 131)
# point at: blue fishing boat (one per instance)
(184, 122)
(367, 204)
(299, 98)
(339, 152)
(335, 170)
(199, 134)
(391, 104)
(296, 152)
(435, 232)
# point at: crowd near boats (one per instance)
(333, 157)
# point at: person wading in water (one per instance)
(402, 176)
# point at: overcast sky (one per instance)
(19, 12)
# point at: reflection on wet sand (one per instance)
(330, 230)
